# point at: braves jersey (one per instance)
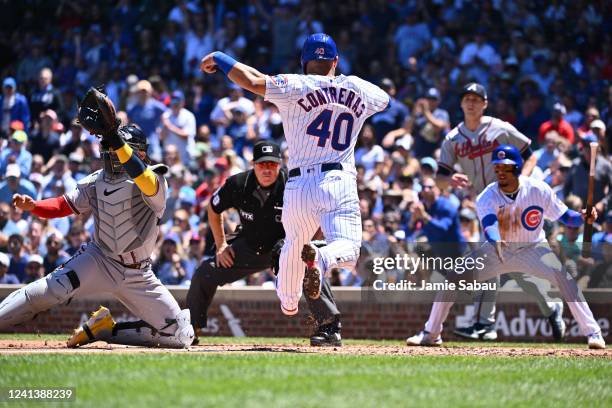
(322, 116)
(125, 220)
(472, 150)
(521, 219)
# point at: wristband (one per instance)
(224, 61)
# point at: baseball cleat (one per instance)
(326, 339)
(478, 331)
(424, 338)
(312, 276)
(327, 335)
(467, 332)
(596, 341)
(556, 321)
(487, 332)
(101, 322)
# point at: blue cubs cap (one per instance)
(318, 46)
(507, 154)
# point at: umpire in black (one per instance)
(258, 196)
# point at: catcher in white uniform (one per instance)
(512, 212)
(127, 199)
(322, 116)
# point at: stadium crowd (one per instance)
(547, 67)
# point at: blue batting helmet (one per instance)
(508, 154)
(318, 46)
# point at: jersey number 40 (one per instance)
(320, 127)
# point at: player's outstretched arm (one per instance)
(241, 74)
(56, 207)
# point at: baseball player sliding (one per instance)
(512, 212)
(322, 116)
(126, 198)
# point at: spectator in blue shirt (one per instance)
(55, 255)
(16, 153)
(439, 220)
(146, 113)
(15, 184)
(550, 151)
(428, 123)
(411, 37)
(59, 173)
(34, 268)
(6, 278)
(46, 96)
(391, 118)
(18, 257)
(14, 105)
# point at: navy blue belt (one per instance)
(324, 167)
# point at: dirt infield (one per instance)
(47, 346)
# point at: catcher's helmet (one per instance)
(135, 138)
(318, 46)
(508, 154)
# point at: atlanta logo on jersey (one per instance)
(532, 217)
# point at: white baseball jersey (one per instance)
(521, 219)
(472, 150)
(322, 116)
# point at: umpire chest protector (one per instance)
(260, 209)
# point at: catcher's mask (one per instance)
(135, 138)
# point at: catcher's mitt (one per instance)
(97, 114)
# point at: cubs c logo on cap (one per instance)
(532, 217)
(501, 155)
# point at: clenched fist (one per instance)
(24, 202)
(208, 64)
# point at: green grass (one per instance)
(310, 380)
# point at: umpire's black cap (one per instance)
(266, 152)
(474, 88)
